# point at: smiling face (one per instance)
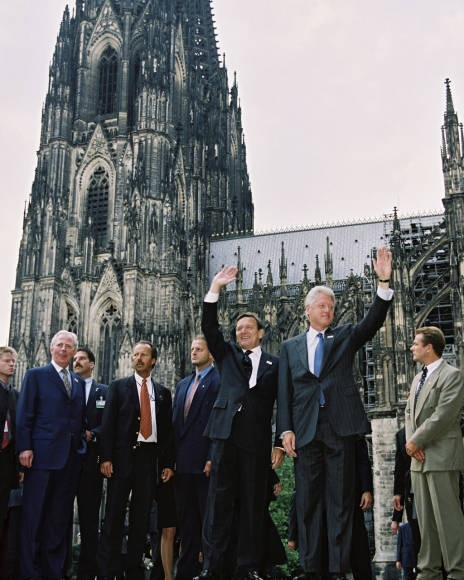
(321, 312)
(247, 333)
(142, 360)
(63, 349)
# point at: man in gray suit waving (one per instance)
(319, 414)
(434, 442)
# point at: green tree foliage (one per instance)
(279, 511)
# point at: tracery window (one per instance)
(107, 82)
(110, 336)
(71, 320)
(97, 205)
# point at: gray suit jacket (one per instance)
(299, 389)
(433, 423)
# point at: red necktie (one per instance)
(6, 433)
(146, 426)
(193, 390)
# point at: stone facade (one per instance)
(141, 193)
(141, 159)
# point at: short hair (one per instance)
(68, 333)
(312, 295)
(88, 352)
(154, 350)
(250, 315)
(434, 336)
(200, 337)
(8, 350)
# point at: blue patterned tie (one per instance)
(318, 355)
(421, 384)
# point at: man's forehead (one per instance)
(247, 320)
(7, 356)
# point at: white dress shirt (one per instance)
(88, 386)
(151, 394)
(432, 367)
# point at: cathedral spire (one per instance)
(452, 148)
(449, 98)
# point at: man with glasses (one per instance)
(49, 439)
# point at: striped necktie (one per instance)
(64, 376)
(421, 384)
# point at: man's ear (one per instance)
(261, 334)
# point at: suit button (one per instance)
(134, 446)
(136, 432)
(138, 418)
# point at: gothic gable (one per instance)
(108, 288)
(107, 22)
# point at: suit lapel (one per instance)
(92, 395)
(56, 378)
(425, 391)
(302, 349)
(180, 404)
(132, 385)
(265, 363)
(197, 402)
(328, 345)
(239, 358)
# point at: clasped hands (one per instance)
(415, 451)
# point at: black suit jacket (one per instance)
(191, 446)
(402, 476)
(240, 413)
(299, 389)
(121, 425)
(93, 420)
(8, 401)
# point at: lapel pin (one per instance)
(268, 362)
(76, 380)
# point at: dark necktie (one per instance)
(247, 364)
(146, 425)
(421, 384)
(318, 355)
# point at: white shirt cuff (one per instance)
(212, 297)
(385, 293)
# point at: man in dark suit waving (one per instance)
(49, 430)
(191, 409)
(89, 492)
(319, 413)
(136, 433)
(240, 426)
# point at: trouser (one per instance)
(89, 495)
(237, 496)
(441, 524)
(48, 499)
(191, 493)
(324, 475)
(142, 483)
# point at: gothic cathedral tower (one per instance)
(141, 159)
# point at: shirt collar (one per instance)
(88, 381)
(58, 368)
(257, 350)
(6, 386)
(432, 366)
(204, 371)
(139, 379)
(312, 332)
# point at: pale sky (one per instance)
(342, 101)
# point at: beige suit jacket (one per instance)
(433, 422)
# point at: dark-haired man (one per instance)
(136, 433)
(89, 492)
(240, 427)
(434, 442)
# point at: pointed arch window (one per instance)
(71, 322)
(110, 339)
(107, 82)
(97, 205)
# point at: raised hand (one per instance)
(383, 263)
(222, 278)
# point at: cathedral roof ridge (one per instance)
(345, 223)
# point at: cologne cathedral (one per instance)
(141, 193)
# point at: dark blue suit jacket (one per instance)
(48, 421)
(405, 552)
(191, 446)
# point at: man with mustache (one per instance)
(136, 436)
